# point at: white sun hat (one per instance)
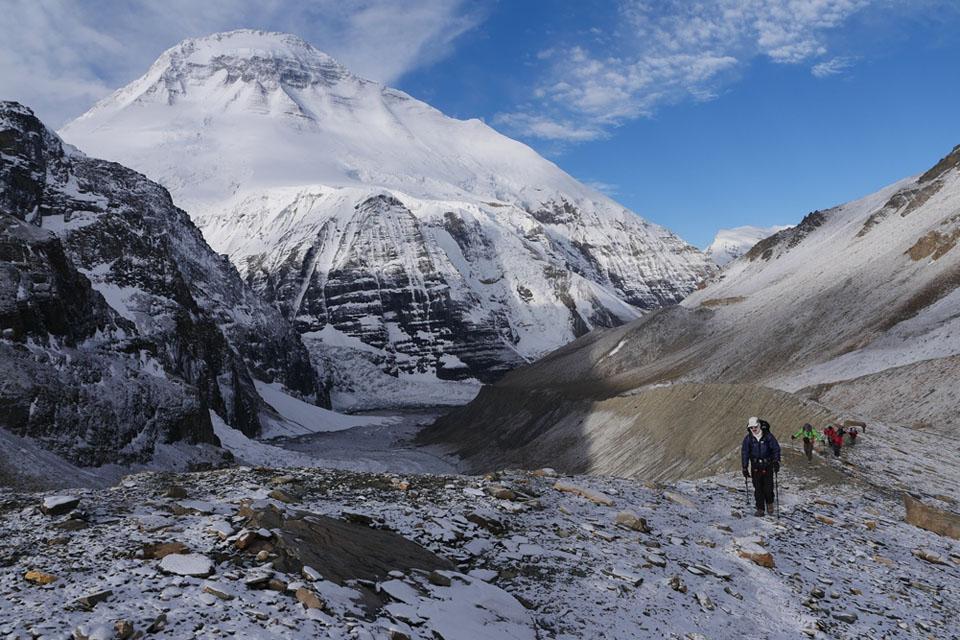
(754, 421)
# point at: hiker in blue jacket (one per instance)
(760, 458)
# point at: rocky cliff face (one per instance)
(428, 246)
(112, 301)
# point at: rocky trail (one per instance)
(290, 553)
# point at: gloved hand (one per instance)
(776, 467)
(746, 472)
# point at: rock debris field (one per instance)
(296, 553)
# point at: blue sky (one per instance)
(696, 114)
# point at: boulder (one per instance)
(91, 600)
(158, 624)
(59, 505)
(679, 499)
(161, 550)
(285, 495)
(338, 550)
(938, 521)
(487, 520)
(500, 492)
(631, 520)
(705, 601)
(309, 599)
(676, 583)
(597, 497)
(763, 559)
(187, 564)
(217, 591)
(39, 577)
(357, 518)
(438, 579)
(176, 492)
(545, 472)
(123, 629)
(929, 556)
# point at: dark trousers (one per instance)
(808, 448)
(836, 450)
(762, 487)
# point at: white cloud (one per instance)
(547, 128)
(670, 51)
(604, 187)
(831, 67)
(60, 56)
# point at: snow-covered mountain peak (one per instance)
(730, 244)
(443, 246)
(245, 70)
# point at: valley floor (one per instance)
(386, 447)
(532, 561)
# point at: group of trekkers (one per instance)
(760, 455)
(832, 435)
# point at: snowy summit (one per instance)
(730, 244)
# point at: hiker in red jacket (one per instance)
(834, 436)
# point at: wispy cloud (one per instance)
(831, 67)
(60, 56)
(669, 51)
(604, 187)
(544, 127)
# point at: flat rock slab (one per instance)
(597, 497)
(58, 505)
(187, 564)
(338, 550)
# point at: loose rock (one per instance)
(309, 599)
(39, 577)
(597, 497)
(632, 521)
(59, 505)
(764, 559)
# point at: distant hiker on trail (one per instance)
(834, 436)
(852, 434)
(809, 435)
(860, 424)
(760, 458)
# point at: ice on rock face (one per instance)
(402, 241)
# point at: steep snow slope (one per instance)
(730, 244)
(445, 248)
(851, 303)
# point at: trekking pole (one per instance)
(776, 486)
(746, 488)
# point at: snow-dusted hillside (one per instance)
(443, 248)
(730, 244)
(857, 307)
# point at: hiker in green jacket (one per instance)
(809, 435)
